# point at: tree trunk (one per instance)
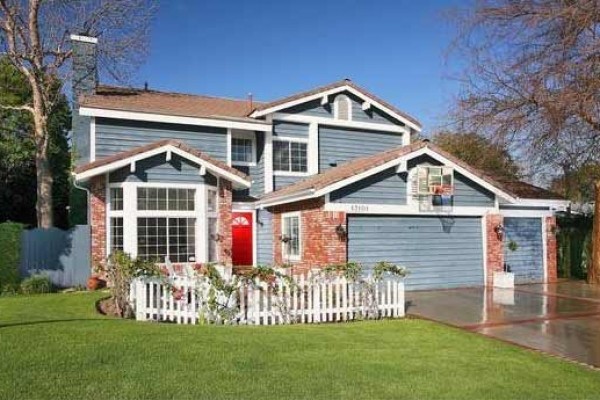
(43, 205)
(593, 275)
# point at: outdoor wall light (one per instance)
(341, 231)
(285, 238)
(499, 229)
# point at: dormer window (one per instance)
(342, 108)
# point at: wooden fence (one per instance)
(306, 299)
(64, 256)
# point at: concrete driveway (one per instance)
(561, 319)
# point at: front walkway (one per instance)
(562, 319)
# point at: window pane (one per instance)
(166, 199)
(291, 229)
(212, 200)
(182, 243)
(298, 157)
(241, 149)
(116, 234)
(116, 199)
(212, 240)
(281, 156)
(152, 239)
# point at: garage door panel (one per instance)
(439, 253)
(527, 261)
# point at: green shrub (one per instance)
(9, 289)
(10, 249)
(36, 284)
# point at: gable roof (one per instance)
(125, 158)
(339, 86)
(360, 168)
(167, 103)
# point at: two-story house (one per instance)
(325, 176)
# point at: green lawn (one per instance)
(56, 346)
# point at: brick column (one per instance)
(98, 219)
(551, 243)
(495, 247)
(226, 240)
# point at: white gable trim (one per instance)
(369, 126)
(204, 165)
(391, 164)
(333, 91)
(174, 119)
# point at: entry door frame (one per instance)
(254, 222)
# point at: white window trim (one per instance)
(295, 140)
(236, 134)
(130, 215)
(285, 257)
(336, 107)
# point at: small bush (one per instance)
(36, 284)
(9, 289)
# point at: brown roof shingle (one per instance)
(344, 82)
(359, 165)
(143, 149)
(158, 102)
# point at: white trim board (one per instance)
(174, 119)
(352, 208)
(160, 150)
(333, 91)
(369, 126)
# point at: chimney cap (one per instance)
(85, 39)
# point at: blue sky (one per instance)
(276, 48)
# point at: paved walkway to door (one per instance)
(562, 319)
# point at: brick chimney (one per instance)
(84, 81)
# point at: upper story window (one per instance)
(342, 108)
(243, 148)
(289, 156)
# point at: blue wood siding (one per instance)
(157, 169)
(527, 261)
(264, 237)
(283, 181)
(469, 194)
(314, 108)
(337, 145)
(290, 129)
(81, 138)
(386, 187)
(257, 172)
(438, 252)
(114, 136)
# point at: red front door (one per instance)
(242, 238)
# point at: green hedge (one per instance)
(10, 248)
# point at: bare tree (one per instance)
(35, 37)
(532, 80)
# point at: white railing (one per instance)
(311, 298)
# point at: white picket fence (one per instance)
(307, 299)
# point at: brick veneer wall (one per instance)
(226, 240)
(551, 249)
(98, 219)
(321, 244)
(494, 247)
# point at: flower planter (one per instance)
(504, 280)
(95, 283)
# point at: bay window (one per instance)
(290, 156)
(156, 222)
